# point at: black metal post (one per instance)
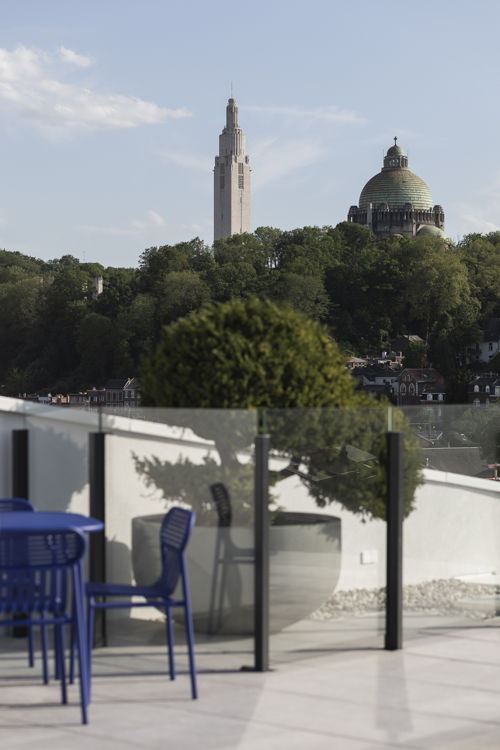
(97, 561)
(394, 590)
(20, 466)
(20, 488)
(261, 571)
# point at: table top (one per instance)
(42, 520)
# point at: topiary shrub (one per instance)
(253, 354)
(248, 354)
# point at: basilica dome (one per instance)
(396, 188)
(397, 202)
(396, 185)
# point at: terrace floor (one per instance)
(441, 692)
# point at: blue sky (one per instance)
(110, 112)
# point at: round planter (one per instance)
(304, 569)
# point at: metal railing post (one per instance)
(394, 590)
(261, 571)
(20, 466)
(20, 488)
(97, 541)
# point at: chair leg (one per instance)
(211, 626)
(190, 645)
(81, 642)
(45, 650)
(170, 642)
(31, 647)
(225, 562)
(72, 655)
(90, 641)
(188, 618)
(61, 666)
(57, 666)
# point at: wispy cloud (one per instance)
(329, 113)
(482, 217)
(73, 58)
(29, 88)
(276, 158)
(192, 228)
(190, 161)
(471, 223)
(271, 159)
(152, 220)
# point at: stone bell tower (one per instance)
(231, 179)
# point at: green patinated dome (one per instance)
(396, 151)
(396, 185)
(431, 230)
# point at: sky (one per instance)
(110, 112)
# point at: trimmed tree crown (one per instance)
(246, 354)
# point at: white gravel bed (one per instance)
(443, 596)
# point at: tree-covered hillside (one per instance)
(56, 334)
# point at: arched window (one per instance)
(476, 389)
(403, 389)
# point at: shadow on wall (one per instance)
(58, 465)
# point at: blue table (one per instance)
(42, 520)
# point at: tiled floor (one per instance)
(441, 692)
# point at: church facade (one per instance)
(231, 179)
(397, 202)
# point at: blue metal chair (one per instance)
(175, 532)
(41, 584)
(8, 504)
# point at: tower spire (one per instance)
(231, 178)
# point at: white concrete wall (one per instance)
(453, 532)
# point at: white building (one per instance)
(231, 179)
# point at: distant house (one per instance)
(489, 344)
(419, 385)
(377, 379)
(484, 389)
(77, 399)
(96, 397)
(93, 397)
(354, 363)
(122, 392)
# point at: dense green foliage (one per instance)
(56, 335)
(254, 354)
(246, 354)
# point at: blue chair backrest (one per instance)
(8, 504)
(174, 535)
(34, 567)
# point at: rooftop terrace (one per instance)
(331, 684)
(442, 692)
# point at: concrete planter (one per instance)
(304, 570)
